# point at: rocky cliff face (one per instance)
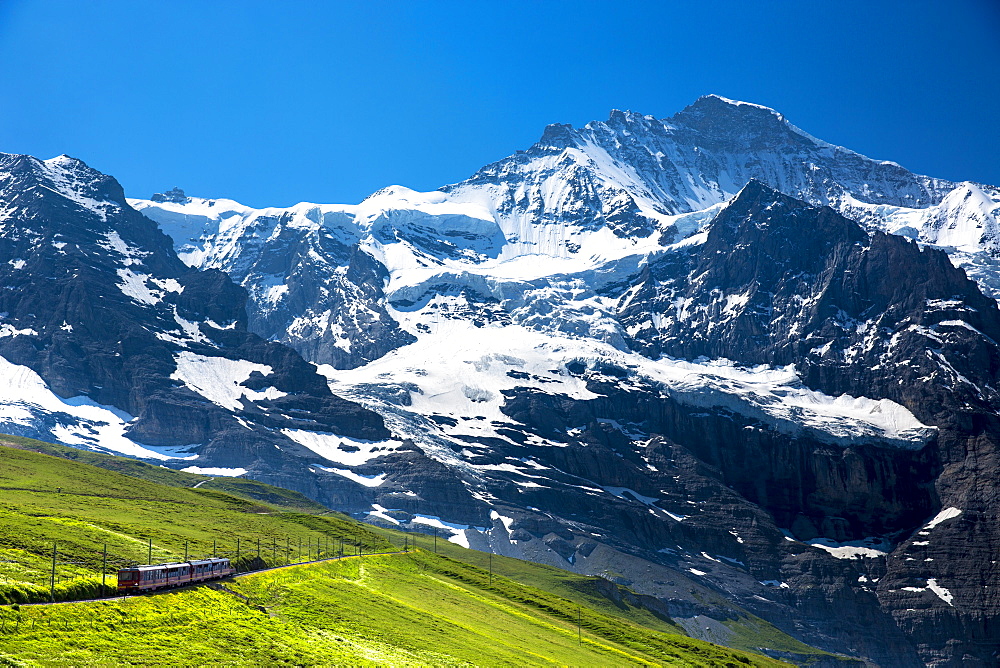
(709, 356)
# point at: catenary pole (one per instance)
(52, 578)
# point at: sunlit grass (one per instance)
(404, 609)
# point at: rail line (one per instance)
(209, 582)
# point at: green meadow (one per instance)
(402, 609)
(415, 607)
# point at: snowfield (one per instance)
(457, 370)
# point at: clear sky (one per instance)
(271, 103)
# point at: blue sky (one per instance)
(273, 103)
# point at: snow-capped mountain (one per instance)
(599, 199)
(681, 353)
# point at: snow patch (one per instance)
(630, 495)
(215, 470)
(340, 449)
(941, 592)
(220, 379)
(507, 522)
(933, 586)
(366, 480)
(7, 329)
(381, 513)
(134, 285)
(870, 548)
(946, 514)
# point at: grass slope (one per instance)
(405, 609)
(123, 504)
(250, 489)
(97, 507)
(749, 632)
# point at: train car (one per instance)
(210, 569)
(161, 576)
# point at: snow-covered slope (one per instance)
(464, 372)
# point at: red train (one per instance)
(151, 578)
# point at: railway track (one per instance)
(209, 582)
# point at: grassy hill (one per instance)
(407, 609)
(242, 487)
(51, 503)
(415, 608)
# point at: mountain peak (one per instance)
(756, 189)
(175, 195)
(714, 99)
(558, 135)
(64, 160)
(715, 109)
(619, 116)
(63, 177)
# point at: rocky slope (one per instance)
(681, 353)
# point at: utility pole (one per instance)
(149, 556)
(52, 579)
(579, 631)
(258, 547)
(104, 569)
(288, 551)
(298, 553)
(214, 549)
(435, 540)
(237, 549)
(491, 569)
(186, 551)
